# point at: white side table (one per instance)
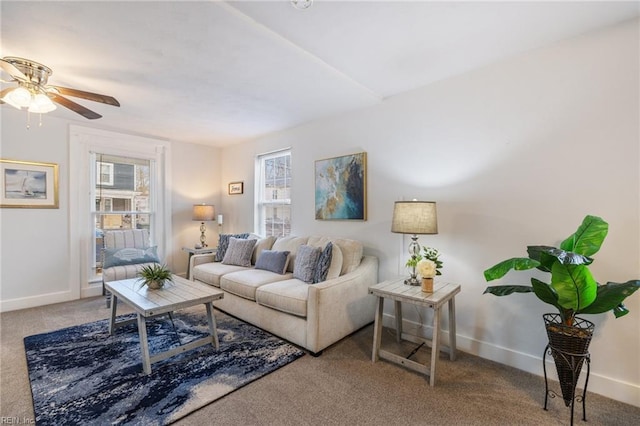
(399, 292)
(193, 251)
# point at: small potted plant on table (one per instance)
(154, 276)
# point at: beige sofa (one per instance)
(312, 316)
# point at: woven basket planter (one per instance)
(569, 347)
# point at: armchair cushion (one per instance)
(129, 256)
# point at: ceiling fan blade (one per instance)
(109, 100)
(67, 103)
(12, 70)
(4, 92)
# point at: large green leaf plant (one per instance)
(572, 289)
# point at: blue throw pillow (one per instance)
(129, 256)
(305, 264)
(324, 262)
(223, 244)
(274, 261)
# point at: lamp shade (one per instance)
(204, 212)
(414, 217)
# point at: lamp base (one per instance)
(412, 281)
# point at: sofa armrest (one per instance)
(340, 306)
(199, 259)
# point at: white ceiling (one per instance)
(217, 73)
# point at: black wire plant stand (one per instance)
(568, 347)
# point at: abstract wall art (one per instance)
(341, 187)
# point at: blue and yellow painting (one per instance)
(341, 191)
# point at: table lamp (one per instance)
(202, 213)
(414, 218)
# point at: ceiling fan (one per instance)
(34, 93)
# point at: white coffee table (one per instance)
(179, 294)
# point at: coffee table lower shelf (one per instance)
(147, 303)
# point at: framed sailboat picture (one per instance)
(26, 184)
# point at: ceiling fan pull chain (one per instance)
(28, 120)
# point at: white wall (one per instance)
(515, 153)
(196, 169)
(35, 243)
(37, 236)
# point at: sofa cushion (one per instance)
(305, 263)
(239, 252)
(352, 252)
(274, 261)
(288, 296)
(129, 256)
(290, 244)
(324, 261)
(261, 244)
(336, 255)
(223, 244)
(210, 273)
(244, 283)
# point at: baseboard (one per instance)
(626, 392)
(92, 291)
(35, 301)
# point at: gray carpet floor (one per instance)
(341, 387)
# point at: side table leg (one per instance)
(435, 346)
(144, 344)
(398, 306)
(377, 329)
(213, 329)
(112, 320)
(452, 329)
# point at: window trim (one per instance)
(83, 141)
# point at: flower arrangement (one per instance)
(426, 268)
(429, 253)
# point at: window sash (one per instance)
(280, 182)
(103, 215)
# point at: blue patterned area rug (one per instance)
(83, 375)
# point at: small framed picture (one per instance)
(26, 184)
(236, 188)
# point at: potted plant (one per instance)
(572, 290)
(154, 276)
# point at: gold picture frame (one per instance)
(28, 184)
(236, 188)
(341, 188)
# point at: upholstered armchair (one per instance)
(125, 253)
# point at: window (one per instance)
(104, 174)
(122, 181)
(124, 201)
(273, 195)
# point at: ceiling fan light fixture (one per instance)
(18, 98)
(301, 4)
(41, 104)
